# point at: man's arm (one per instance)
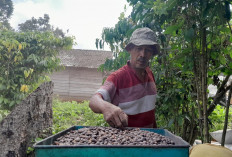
(113, 115)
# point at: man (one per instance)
(128, 95)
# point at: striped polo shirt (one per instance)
(136, 98)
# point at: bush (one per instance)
(67, 114)
(3, 114)
(25, 58)
(217, 118)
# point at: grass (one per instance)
(67, 114)
(217, 118)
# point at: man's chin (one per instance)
(141, 66)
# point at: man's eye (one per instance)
(138, 48)
(149, 50)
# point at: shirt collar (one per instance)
(129, 66)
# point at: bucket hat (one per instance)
(143, 36)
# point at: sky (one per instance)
(83, 19)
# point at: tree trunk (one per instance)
(204, 85)
(30, 119)
(197, 87)
(226, 117)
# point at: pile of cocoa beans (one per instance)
(112, 136)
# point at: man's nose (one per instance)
(142, 53)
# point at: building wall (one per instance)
(76, 83)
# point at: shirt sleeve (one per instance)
(108, 89)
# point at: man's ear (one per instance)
(129, 48)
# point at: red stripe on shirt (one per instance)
(142, 119)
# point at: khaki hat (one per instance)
(143, 36)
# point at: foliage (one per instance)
(41, 25)
(6, 10)
(30, 150)
(118, 36)
(3, 114)
(195, 40)
(25, 58)
(197, 37)
(67, 114)
(218, 118)
(114, 64)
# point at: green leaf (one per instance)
(189, 34)
(170, 55)
(2, 87)
(12, 103)
(180, 120)
(230, 38)
(210, 81)
(5, 101)
(228, 71)
(222, 59)
(38, 139)
(29, 150)
(171, 4)
(230, 65)
(1, 99)
(171, 30)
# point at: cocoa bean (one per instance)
(112, 136)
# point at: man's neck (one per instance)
(140, 72)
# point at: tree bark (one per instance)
(197, 87)
(204, 85)
(226, 117)
(30, 119)
(219, 95)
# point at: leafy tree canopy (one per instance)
(195, 37)
(25, 59)
(41, 24)
(6, 10)
(27, 56)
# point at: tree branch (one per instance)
(229, 26)
(219, 95)
(226, 116)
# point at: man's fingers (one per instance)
(115, 117)
(111, 124)
(117, 121)
(124, 119)
(110, 121)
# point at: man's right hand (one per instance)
(115, 117)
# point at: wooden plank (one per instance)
(61, 93)
(82, 89)
(80, 85)
(81, 95)
(77, 82)
(61, 78)
(85, 81)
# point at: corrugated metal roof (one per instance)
(84, 58)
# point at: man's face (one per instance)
(140, 56)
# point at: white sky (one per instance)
(85, 19)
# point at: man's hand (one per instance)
(115, 117)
